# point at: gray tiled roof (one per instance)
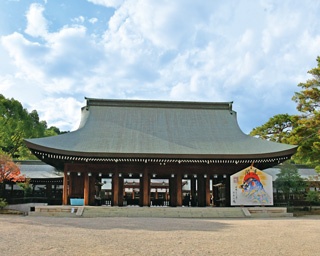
(304, 172)
(38, 170)
(133, 128)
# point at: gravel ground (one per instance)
(158, 236)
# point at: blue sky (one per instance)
(54, 53)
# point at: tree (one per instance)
(309, 98)
(26, 187)
(9, 172)
(277, 129)
(313, 197)
(307, 134)
(289, 181)
(303, 129)
(16, 124)
(3, 203)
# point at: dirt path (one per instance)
(155, 236)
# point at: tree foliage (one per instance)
(302, 129)
(308, 99)
(9, 171)
(3, 203)
(277, 129)
(307, 134)
(289, 180)
(313, 197)
(17, 124)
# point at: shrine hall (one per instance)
(144, 145)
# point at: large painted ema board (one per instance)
(251, 187)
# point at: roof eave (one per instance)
(43, 149)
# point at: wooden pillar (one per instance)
(215, 190)
(227, 191)
(65, 188)
(178, 182)
(86, 188)
(70, 184)
(175, 190)
(207, 191)
(141, 191)
(172, 192)
(145, 189)
(92, 190)
(201, 191)
(120, 195)
(156, 194)
(115, 189)
(193, 188)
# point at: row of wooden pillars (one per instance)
(82, 185)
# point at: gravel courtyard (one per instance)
(158, 236)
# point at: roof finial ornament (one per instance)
(230, 105)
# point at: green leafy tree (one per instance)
(26, 187)
(16, 124)
(302, 129)
(277, 129)
(307, 134)
(309, 98)
(3, 203)
(289, 181)
(313, 197)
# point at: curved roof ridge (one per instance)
(158, 104)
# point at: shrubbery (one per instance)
(3, 203)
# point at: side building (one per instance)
(198, 143)
(44, 184)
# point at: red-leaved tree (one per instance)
(9, 172)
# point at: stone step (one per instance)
(267, 212)
(159, 212)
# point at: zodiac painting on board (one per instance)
(251, 187)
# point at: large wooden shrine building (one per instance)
(155, 142)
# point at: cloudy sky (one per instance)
(253, 52)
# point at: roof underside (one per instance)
(127, 128)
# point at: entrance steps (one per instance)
(159, 212)
(165, 212)
(266, 212)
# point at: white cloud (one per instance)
(310, 43)
(93, 20)
(57, 63)
(36, 24)
(6, 82)
(179, 50)
(52, 109)
(108, 3)
(79, 19)
(26, 55)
